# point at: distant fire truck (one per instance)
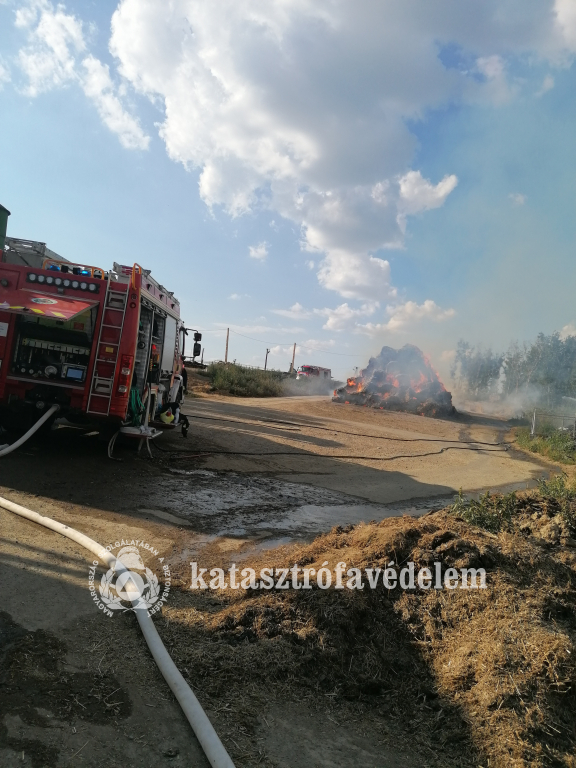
(104, 345)
(307, 371)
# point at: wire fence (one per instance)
(544, 423)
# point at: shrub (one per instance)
(493, 512)
(558, 489)
(245, 382)
(552, 443)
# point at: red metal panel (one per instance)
(24, 301)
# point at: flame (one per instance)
(401, 380)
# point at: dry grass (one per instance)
(466, 677)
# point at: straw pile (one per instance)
(466, 677)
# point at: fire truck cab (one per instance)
(96, 342)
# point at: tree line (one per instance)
(545, 368)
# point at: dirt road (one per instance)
(79, 688)
(397, 456)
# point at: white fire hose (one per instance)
(213, 748)
(6, 449)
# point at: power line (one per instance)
(300, 344)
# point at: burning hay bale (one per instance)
(399, 380)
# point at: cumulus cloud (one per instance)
(306, 107)
(357, 276)
(259, 251)
(568, 330)
(281, 350)
(344, 317)
(418, 194)
(263, 100)
(296, 312)
(407, 315)
(54, 56)
(565, 11)
(278, 104)
(341, 318)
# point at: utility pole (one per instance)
(293, 358)
(266, 360)
(227, 337)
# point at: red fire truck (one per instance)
(97, 342)
(306, 371)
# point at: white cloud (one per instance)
(568, 330)
(497, 88)
(262, 99)
(356, 276)
(418, 194)
(53, 56)
(238, 296)
(55, 38)
(310, 264)
(98, 86)
(517, 198)
(306, 107)
(565, 11)
(296, 312)
(259, 251)
(4, 75)
(407, 315)
(345, 317)
(281, 350)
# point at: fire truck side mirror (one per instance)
(197, 349)
(197, 336)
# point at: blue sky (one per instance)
(303, 171)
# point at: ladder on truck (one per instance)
(101, 388)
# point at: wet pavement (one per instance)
(262, 507)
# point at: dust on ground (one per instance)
(192, 502)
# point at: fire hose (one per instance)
(6, 449)
(342, 432)
(213, 748)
